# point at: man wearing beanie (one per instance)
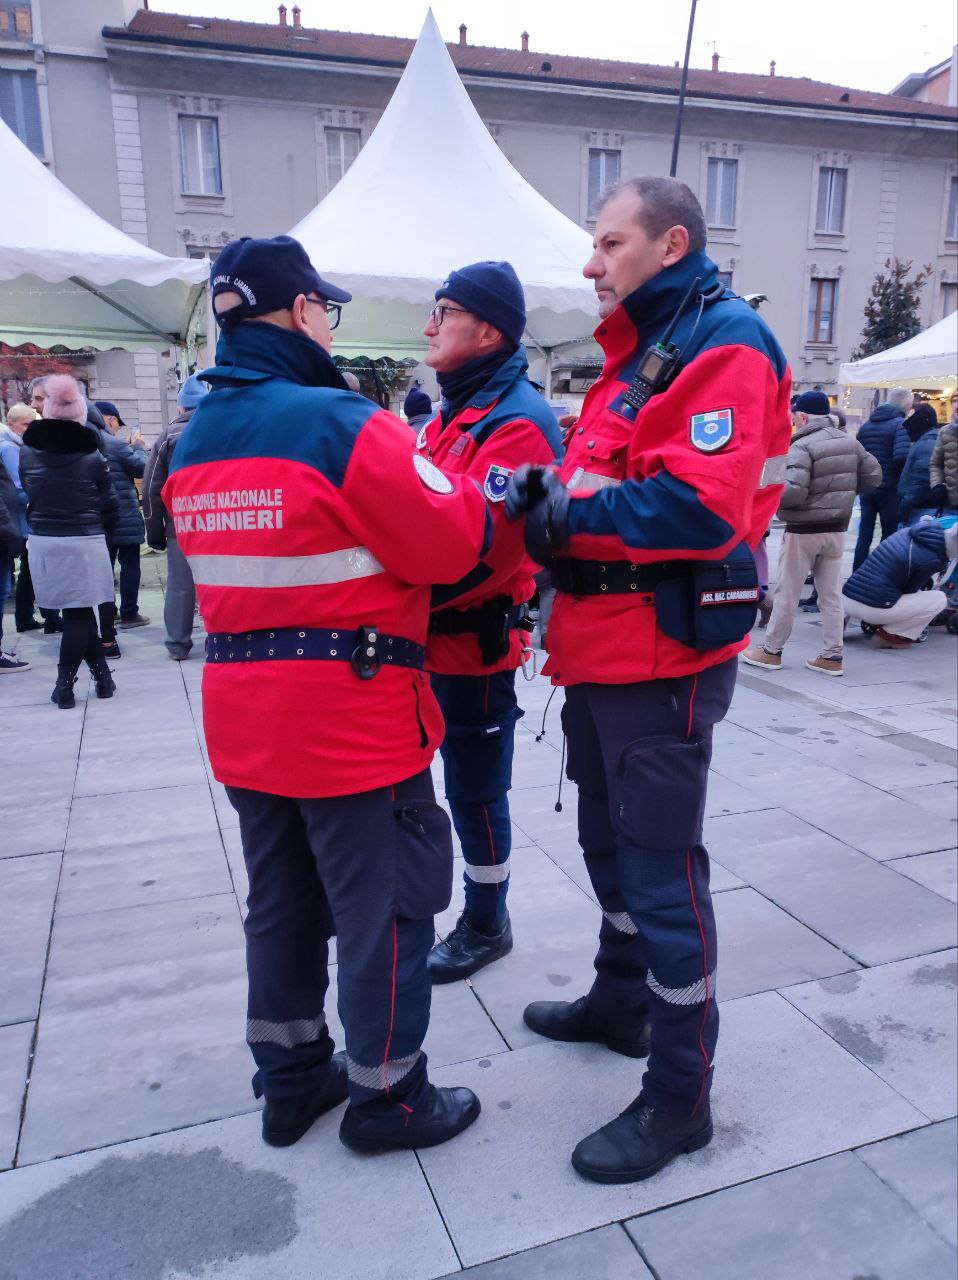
(417, 407)
(824, 470)
(491, 421)
(180, 603)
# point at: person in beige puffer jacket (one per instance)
(824, 471)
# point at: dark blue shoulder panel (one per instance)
(522, 400)
(317, 426)
(734, 324)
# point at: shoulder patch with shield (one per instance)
(711, 431)
(496, 483)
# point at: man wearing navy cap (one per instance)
(824, 470)
(314, 531)
(492, 420)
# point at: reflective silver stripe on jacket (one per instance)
(695, 993)
(284, 571)
(774, 471)
(381, 1077)
(621, 920)
(288, 1034)
(582, 479)
(489, 875)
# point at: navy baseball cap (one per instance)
(268, 274)
(107, 406)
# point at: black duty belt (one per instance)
(365, 648)
(612, 577)
(461, 622)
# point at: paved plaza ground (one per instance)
(128, 1131)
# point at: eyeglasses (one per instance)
(438, 314)
(334, 310)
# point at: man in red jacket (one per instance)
(491, 421)
(668, 482)
(313, 530)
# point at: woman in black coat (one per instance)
(71, 505)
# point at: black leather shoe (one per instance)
(110, 648)
(562, 1020)
(286, 1120)
(391, 1126)
(639, 1142)
(467, 950)
(32, 625)
(52, 626)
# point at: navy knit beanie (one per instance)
(416, 402)
(815, 403)
(491, 291)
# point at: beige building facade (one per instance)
(187, 132)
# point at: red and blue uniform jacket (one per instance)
(504, 425)
(300, 504)
(695, 474)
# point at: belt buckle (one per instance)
(365, 659)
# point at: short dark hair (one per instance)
(666, 202)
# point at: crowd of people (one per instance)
(363, 582)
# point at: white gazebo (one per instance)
(431, 191)
(927, 362)
(68, 277)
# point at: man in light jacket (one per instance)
(824, 470)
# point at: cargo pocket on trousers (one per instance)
(659, 800)
(424, 857)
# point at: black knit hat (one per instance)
(491, 291)
(815, 403)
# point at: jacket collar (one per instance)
(816, 423)
(508, 373)
(650, 307)
(255, 351)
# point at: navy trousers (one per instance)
(129, 557)
(880, 505)
(640, 754)
(373, 869)
(480, 714)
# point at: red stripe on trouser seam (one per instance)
(705, 971)
(695, 681)
(392, 1009)
(492, 844)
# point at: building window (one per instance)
(832, 184)
(821, 311)
(720, 192)
(604, 169)
(951, 222)
(20, 107)
(200, 169)
(16, 22)
(342, 148)
(949, 300)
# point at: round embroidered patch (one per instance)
(431, 476)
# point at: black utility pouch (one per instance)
(493, 630)
(712, 604)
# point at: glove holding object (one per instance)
(547, 523)
(526, 489)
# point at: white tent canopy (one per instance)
(929, 361)
(69, 277)
(431, 191)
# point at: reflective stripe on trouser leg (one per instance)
(619, 988)
(287, 930)
(485, 833)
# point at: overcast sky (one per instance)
(857, 43)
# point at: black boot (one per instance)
(62, 693)
(103, 680)
(640, 1142)
(388, 1126)
(286, 1120)
(562, 1020)
(467, 950)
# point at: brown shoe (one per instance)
(888, 640)
(760, 657)
(826, 666)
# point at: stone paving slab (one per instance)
(785, 1093)
(14, 1056)
(936, 871)
(823, 1221)
(27, 889)
(166, 757)
(605, 1254)
(921, 1168)
(32, 826)
(858, 904)
(899, 1019)
(940, 799)
(214, 1200)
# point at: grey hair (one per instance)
(902, 397)
(38, 384)
(666, 202)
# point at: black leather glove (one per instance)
(939, 496)
(526, 490)
(157, 544)
(547, 524)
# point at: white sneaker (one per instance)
(9, 662)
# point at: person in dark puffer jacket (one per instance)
(878, 435)
(887, 590)
(915, 497)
